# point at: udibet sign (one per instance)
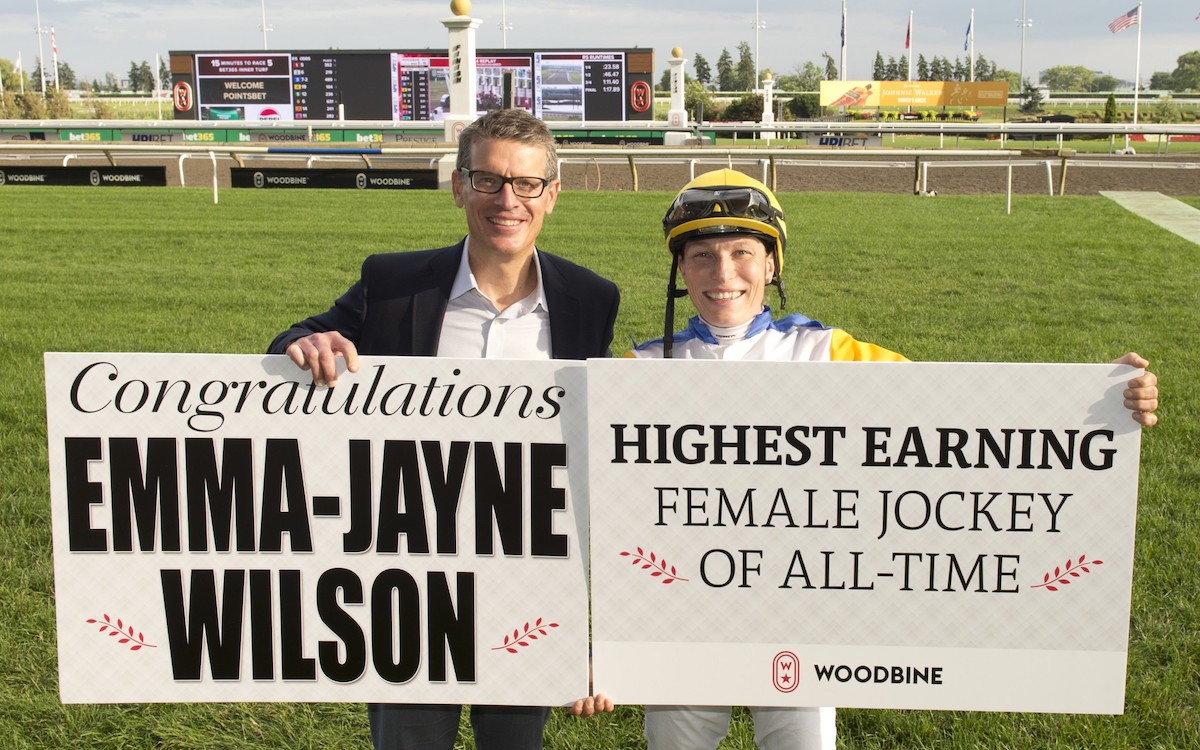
(893, 535)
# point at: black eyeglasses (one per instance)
(734, 202)
(490, 182)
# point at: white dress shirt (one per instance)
(474, 328)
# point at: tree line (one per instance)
(702, 81)
(139, 79)
(21, 97)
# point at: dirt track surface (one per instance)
(900, 174)
(813, 170)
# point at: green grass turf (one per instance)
(1073, 279)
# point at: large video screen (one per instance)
(555, 85)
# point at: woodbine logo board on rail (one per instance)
(223, 531)
(945, 536)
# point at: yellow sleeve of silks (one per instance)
(845, 348)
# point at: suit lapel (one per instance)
(568, 339)
(430, 300)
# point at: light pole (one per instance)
(1024, 22)
(264, 27)
(757, 25)
(505, 26)
(40, 30)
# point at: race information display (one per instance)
(933, 536)
(225, 531)
(562, 85)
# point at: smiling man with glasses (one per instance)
(491, 295)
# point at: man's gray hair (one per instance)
(509, 125)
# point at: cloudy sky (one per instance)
(99, 36)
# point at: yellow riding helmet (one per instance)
(726, 201)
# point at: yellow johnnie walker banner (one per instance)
(912, 93)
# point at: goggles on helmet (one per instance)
(730, 202)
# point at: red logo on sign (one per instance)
(183, 96)
(785, 671)
(640, 97)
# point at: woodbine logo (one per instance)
(878, 674)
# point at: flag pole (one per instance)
(158, 82)
(54, 56)
(971, 42)
(1137, 67)
(843, 68)
(40, 30)
(909, 44)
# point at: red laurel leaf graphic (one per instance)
(522, 639)
(656, 565)
(1063, 576)
(123, 633)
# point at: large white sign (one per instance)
(944, 536)
(224, 531)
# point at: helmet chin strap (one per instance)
(778, 284)
(669, 318)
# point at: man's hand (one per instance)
(1141, 393)
(318, 353)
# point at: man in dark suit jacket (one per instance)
(408, 293)
(491, 295)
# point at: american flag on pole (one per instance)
(1124, 21)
